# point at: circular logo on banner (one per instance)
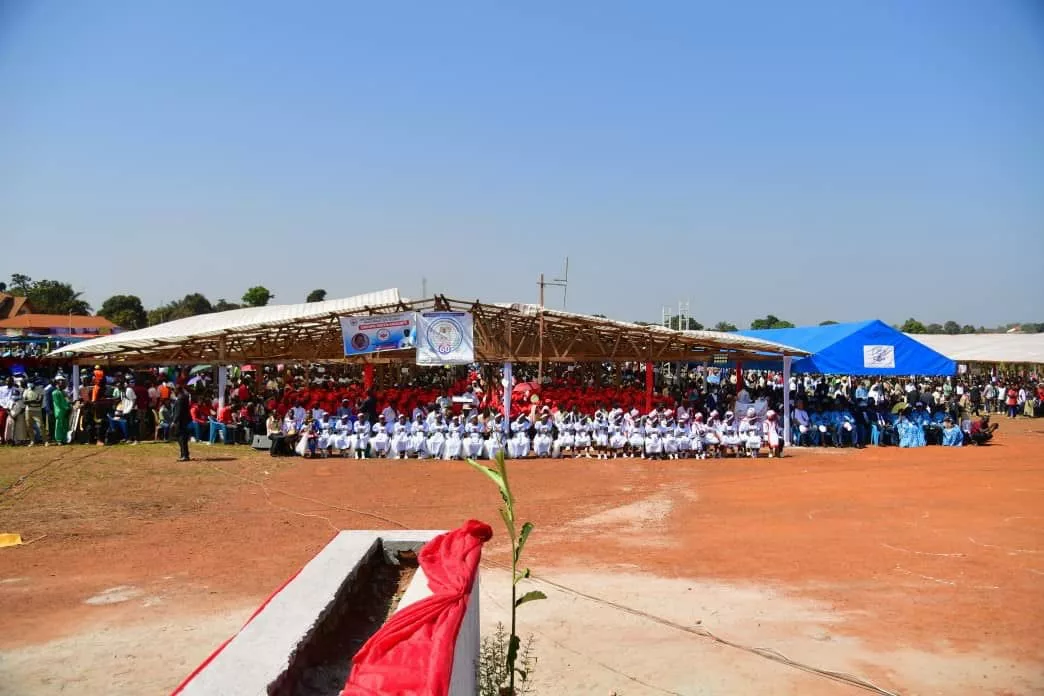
(445, 335)
(360, 341)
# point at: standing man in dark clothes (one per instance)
(975, 396)
(369, 406)
(181, 419)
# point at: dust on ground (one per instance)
(920, 570)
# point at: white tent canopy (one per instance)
(987, 348)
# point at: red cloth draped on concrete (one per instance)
(412, 654)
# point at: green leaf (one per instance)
(530, 596)
(502, 470)
(509, 523)
(494, 476)
(521, 576)
(523, 535)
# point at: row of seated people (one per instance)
(602, 435)
(840, 424)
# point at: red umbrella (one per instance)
(525, 389)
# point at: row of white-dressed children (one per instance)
(602, 436)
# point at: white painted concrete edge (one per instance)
(261, 652)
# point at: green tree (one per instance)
(124, 311)
(933, 329)
(967, 329)
(257, 296)
(951, 327)
(21, 284)
(223, 305)
(828, 322)
(771, 322)
(912, 326)
(54, 297)
(725, 326)
(690, 325)
(316, 296)
(189, 306)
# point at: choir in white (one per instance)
(660, 434)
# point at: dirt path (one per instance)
(922, 570)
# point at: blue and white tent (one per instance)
(859, 348)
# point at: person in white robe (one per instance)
(542, 440)
(563, 443)
(362, 437)
(344, 436)
(400, 440)
(495, 437)
(437, 437)
(617, 437)
(453, 447)
(682, 435)
(418, 440)
(712, 435)
(582, 436)
(473, 446)
(380, 442)
(670, 445)
(326, 435)
(750, 432)
(519, 446)
(730, 439)
(601, 434)
(653, 440)
(772, 434)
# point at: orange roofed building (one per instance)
(58, 325)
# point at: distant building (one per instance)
(13, 306)
(57, 325)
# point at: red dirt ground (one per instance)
(946, 547)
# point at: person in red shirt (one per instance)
(1012, 401)
(200, 412)
(221, 425)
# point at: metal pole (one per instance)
(222, 382)
(650, 383)
(507, 400)
(786, 400)
(540, 363)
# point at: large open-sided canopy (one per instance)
(858, 348)
(987, 348)
(311, 332)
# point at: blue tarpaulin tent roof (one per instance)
(859, 348)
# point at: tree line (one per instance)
(127, 311)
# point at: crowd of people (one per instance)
(452, 414)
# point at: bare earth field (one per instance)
(921, 571)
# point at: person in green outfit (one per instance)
(61, 411)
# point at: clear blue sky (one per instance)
(816, 160)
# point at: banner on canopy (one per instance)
(379, 332)
(445, 338)
(879, 357)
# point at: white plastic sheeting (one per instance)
(234, 321)
(990, 348)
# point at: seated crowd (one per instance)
(594, 412)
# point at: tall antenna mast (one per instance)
(563, 283)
